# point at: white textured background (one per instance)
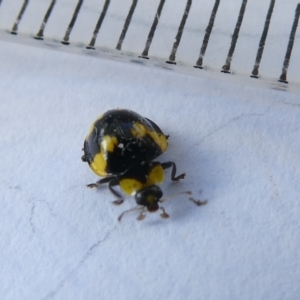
(238, 143)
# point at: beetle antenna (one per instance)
(164, 215)
(175, 195)
(130, 210)
(142, 214)
(197, 202)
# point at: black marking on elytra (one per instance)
(235, 36)
(91, 45)
(66, 38)
(19, 17)
(152, 30)
(172, 56)
(289, 49)
(207, 35)
(126, 24)
(263, 40)
(40, 34)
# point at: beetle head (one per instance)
(149, 197)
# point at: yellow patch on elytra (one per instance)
(159, 139)
(108, 143)
(129, 185)
(98, 165)
(156, 175)
(139, 130)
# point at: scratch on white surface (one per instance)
(33, 209)
(15, 187)
(31, 217)
(235, 119)
(90, 252)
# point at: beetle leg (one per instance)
(112, 181)
(130, 210)
(99, 182)
(170, 164)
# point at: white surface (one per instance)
(238, 144)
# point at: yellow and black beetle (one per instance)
(121, 146)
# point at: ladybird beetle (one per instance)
(121, 146)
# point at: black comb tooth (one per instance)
(234, 39)
(263, 40)
(207, 35)
(19, 17)
(66, 38)
(286, 62)
(126, 24)
(172, 56)
(91, 45)
(40, 34)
